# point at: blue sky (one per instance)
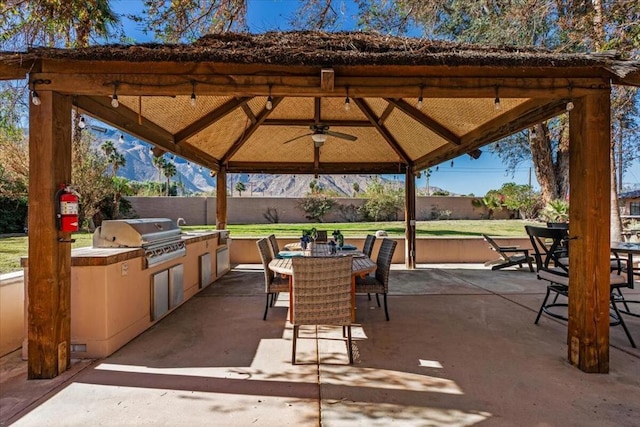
(466, 176)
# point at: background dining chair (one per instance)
(321, 295)
(321, 236)
(273, 284)
(273, 242)
(379, 283)
(552, 265)
(367, 249)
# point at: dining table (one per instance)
(628, 249)
(361, 266)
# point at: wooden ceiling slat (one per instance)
(425, 120)
(304, 122)
(209, 119)
(261, 117)
(382, 130)
(521, 117)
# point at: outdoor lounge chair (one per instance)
(273, 284)
(379, 283)
(321, 295)
(509, 255)
(552, 265)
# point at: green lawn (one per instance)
(12, 248)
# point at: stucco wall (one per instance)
(11, 312)
(252, 210)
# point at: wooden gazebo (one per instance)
(231, 102)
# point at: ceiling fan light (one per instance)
(319, 137)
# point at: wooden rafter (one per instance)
(369, 114)
(385, 114)
(247, 134)
(126, 120)
(531, 112)
(305, 122)
(209, 119)
(425, 120)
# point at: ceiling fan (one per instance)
(319, 135)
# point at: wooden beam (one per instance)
(8, 72)
(306, 123)
(309, 168)
(425, 120)
(209, 119)
(247, 111)
(250, 131)
(589, 246)
(385, 114)
(49, 272)
(327, 79)
(317, 107)
(369, 114)
(221, 199)
(390, 86)
(126, 120)
(526, 115)
(410, 220)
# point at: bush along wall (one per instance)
(13, 215)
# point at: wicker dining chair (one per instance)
(273, 284)
(367, 249)
(379, 283)
(321, 295)
(273, 242)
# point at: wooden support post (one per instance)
(221, 199)
(589, 247)
(49, 271)
(410, 220)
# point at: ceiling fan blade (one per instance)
(341, 135)
(297, 137)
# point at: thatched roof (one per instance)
(384, 76)
(330, 49)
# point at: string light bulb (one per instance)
(451, 163)
(533, 132)
(420, 101)
(81, 123)
(121, 139)
(570, 105)
(114, 98)
(35, 98)
(269, 105)
(192, 101)
(347, 102)
(496, 102)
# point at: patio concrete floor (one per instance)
(461, 349)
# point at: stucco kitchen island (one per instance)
(115, 296)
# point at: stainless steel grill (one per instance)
(159, 237)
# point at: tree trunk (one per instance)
(616, 222)
(552, 175)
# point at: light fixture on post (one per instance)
(347, 102)
(533, 132)
(269, 105)
(114, 98)
(570, 105)
(192, 101)
(496, 101)
(420, 102)
(81, 123)
(475, 154)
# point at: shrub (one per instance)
(555, 211)
(316, 206)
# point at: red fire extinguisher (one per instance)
(67, 209)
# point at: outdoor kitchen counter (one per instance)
(115, 296)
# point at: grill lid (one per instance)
(136, 233)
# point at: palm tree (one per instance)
(159, 163)
(240, 188)
(121, 187)
(169, 170)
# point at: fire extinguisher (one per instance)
(67, 201)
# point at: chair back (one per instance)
(367, 249)
(547, 245)
(492, 243)
(383, 263)
(322, 290)
(273, 242)
(265, 254)
(321, 236)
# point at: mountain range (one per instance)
(197, 180)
